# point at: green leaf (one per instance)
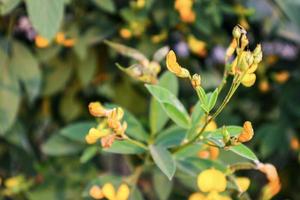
(124, 147)
(88, 154)
(135, 193)
(6, 6)
(160, 180)
(69, 106)
(197, 114)
(170, 137)
(25, 66)
(106, 5)
(212, 99)
(164, 160)
(56, 78)
(244, 151)
(46, 16)
(291, 9)
(9, 95)
(158, 118)
(57, 145)
(135, 128)
(171, 105)
(77, 131)
(86, 69)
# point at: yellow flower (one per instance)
(13, 181)
(198, 47)
(209, 152)
(294, 143)
(243, 183)
(95, 134)
(60, 38)
(212, 180)
(216, 196)
(282, 77)
(97, 110)
(125, 33)
(264, 86)
(174, 67)
(41, 42)
(95, 192)
(247, 132)
(111, 194)
(197, 196)
(249, 80)
(184, 7)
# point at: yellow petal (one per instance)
(211, 126)
(243, 183)
(252, 68)
(96, 192)
(197, 196)
(249, 80)
(109, 191)
(172, 64)
(212, 180)
(247, 132)
(60, 37)
(96, 109)
(216, 196)
(41, 42)
(123, 192)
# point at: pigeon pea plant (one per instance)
(193, 149)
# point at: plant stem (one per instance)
(132, 141)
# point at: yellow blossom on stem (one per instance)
(97, 110)
(212, 180)
(198, 47)
(197, 196)
(174, 67)
(243, 183)
(111, 194)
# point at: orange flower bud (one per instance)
(97, 110)
(174, 67)
(125, 33)
(41, 42)
(294, 143)
(282, 77)
(247, 132)
(95, 192)
(107, 141)
(264, 86)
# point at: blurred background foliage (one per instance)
(53, 62)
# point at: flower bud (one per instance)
(96, 109)
(96, 193)
(184, 73)
(236, 32)
(247, 132)
(244, 41)
(196, 80)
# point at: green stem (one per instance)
(132, 141)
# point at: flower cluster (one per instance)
(246, 62)
(109, 192)
(212, 183)
(184, 7)
(60, 39)
(110, 128)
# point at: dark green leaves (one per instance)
(57, 145)
(160, 180)
(164, 160)
(46, 16)
(9, 94)
(171, 105)
(106, 5)
(25, 66)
